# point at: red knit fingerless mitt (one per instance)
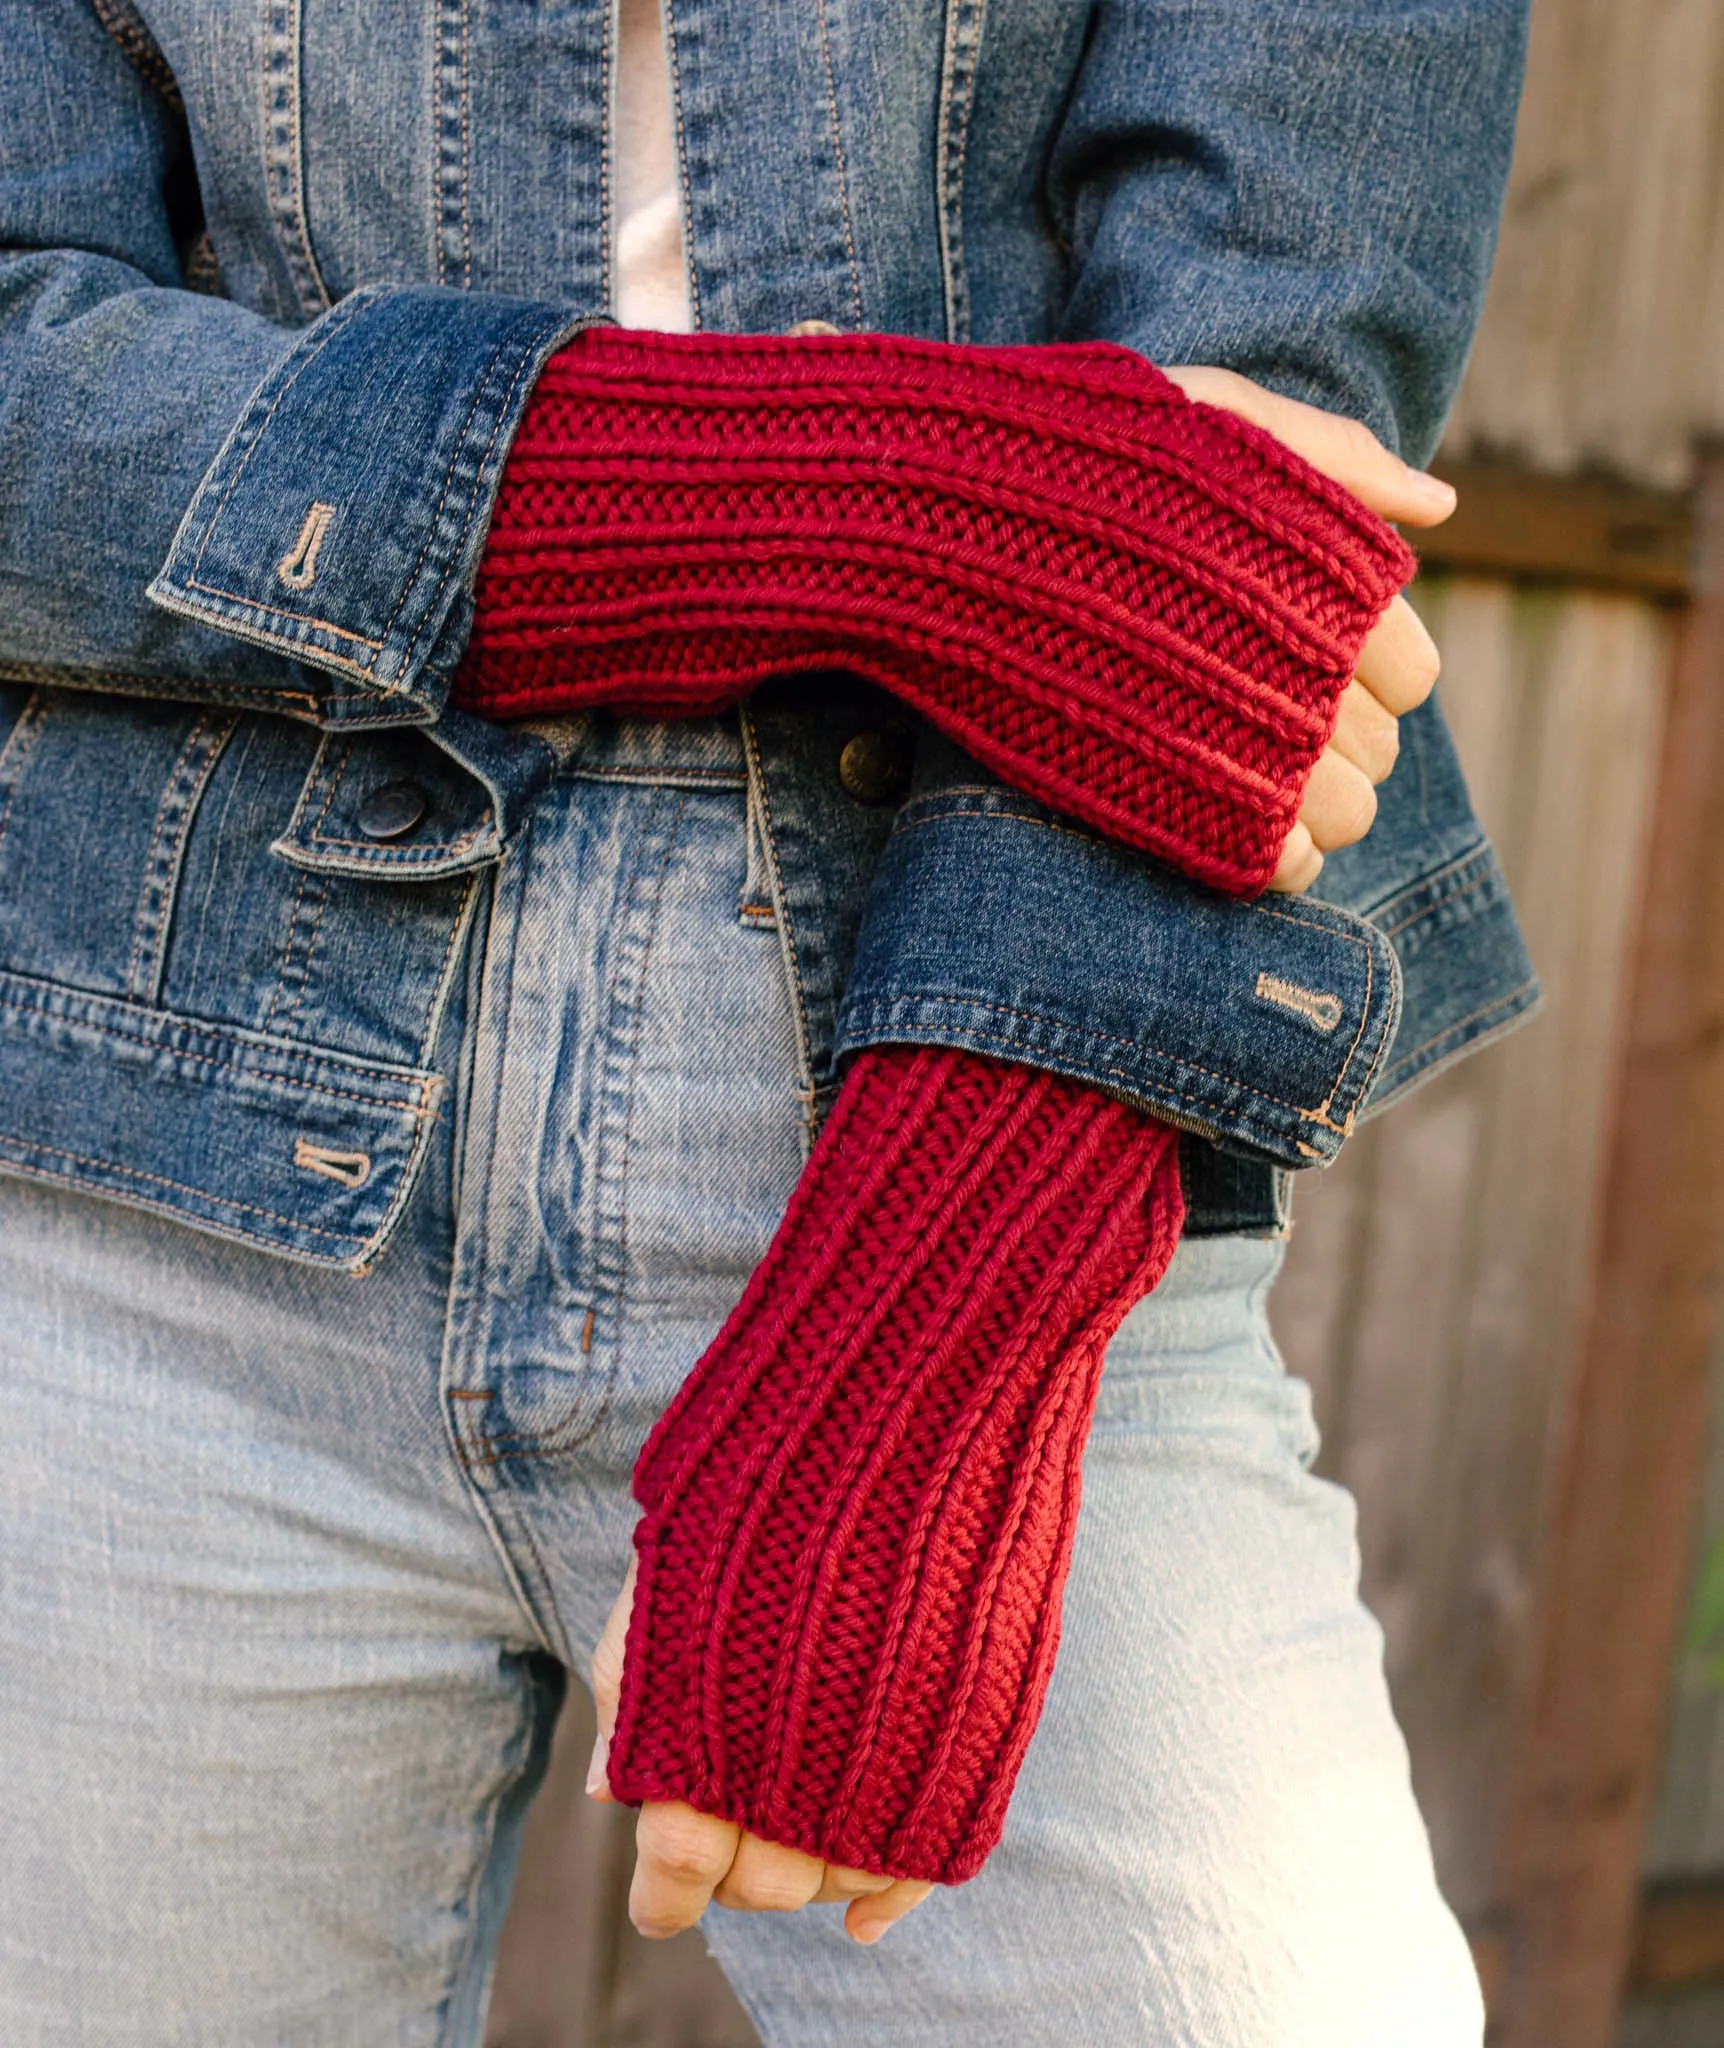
(1140, 609)
(859, 1509)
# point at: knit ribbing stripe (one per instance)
(1010, 1227)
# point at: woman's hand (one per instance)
(685, 1859)
(1398, 666)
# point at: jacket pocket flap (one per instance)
(389, 806)
(299, 1152)
(1259, 1024)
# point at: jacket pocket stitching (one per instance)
(838, 158)
(180, 1056)
(115, 682)
(960, 61)
(208, 737)
(433, 1008)
(1448, 896)
(451, 71)
(20, 742)
(181, 1188)
(284, 153)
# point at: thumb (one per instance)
(607, 1678)
(1344, 449)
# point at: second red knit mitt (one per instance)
(1140, 609)
(859, 1510)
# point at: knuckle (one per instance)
(1357, 441)
(1360, 810)
(1424, 665)
(683, 1846)
(766, 1891)
(606, 1669)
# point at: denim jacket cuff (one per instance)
(994, 925)
(342, 520)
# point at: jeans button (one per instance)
(395, 808)
(874, 767)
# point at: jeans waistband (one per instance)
(603, 745)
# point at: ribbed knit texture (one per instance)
(1139, 609)
(859, 1510)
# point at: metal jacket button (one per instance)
(874, 767)
(802, 327)
(395, 808)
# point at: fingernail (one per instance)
(871, 1931)
(1433, 487)
(598, 1777)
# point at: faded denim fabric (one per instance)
(289, 1561)
(238, 530)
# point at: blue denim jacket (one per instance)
(218, 992)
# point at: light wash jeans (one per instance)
(282, 1552)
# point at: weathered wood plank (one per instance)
(1687, 1835)
(1434, 1309)
(1684, 2020)
(1617, 1554)
(1598, 349)
(1592, 531)
(1678, 1938)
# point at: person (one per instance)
(484, 828)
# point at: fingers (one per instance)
(681, 1857)
(1399, 662)
(686, 1861)
(842, 1883)
(1341, 448)
(870, 1918)
(1397, 671)
(607, 1681)
(1366, 733)
(1300, 863)
(1340, 803)
(766, 1877)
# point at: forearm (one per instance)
(1140, 609)
(1308, 195)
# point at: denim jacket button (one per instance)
(874, 767)
(802, 327)
(395, 808)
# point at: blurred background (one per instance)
(1505, 1295)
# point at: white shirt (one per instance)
(651, 282)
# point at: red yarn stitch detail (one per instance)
(859, 1509)
(1139, 609)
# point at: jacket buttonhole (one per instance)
(1318, 1007)
(297, 569)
